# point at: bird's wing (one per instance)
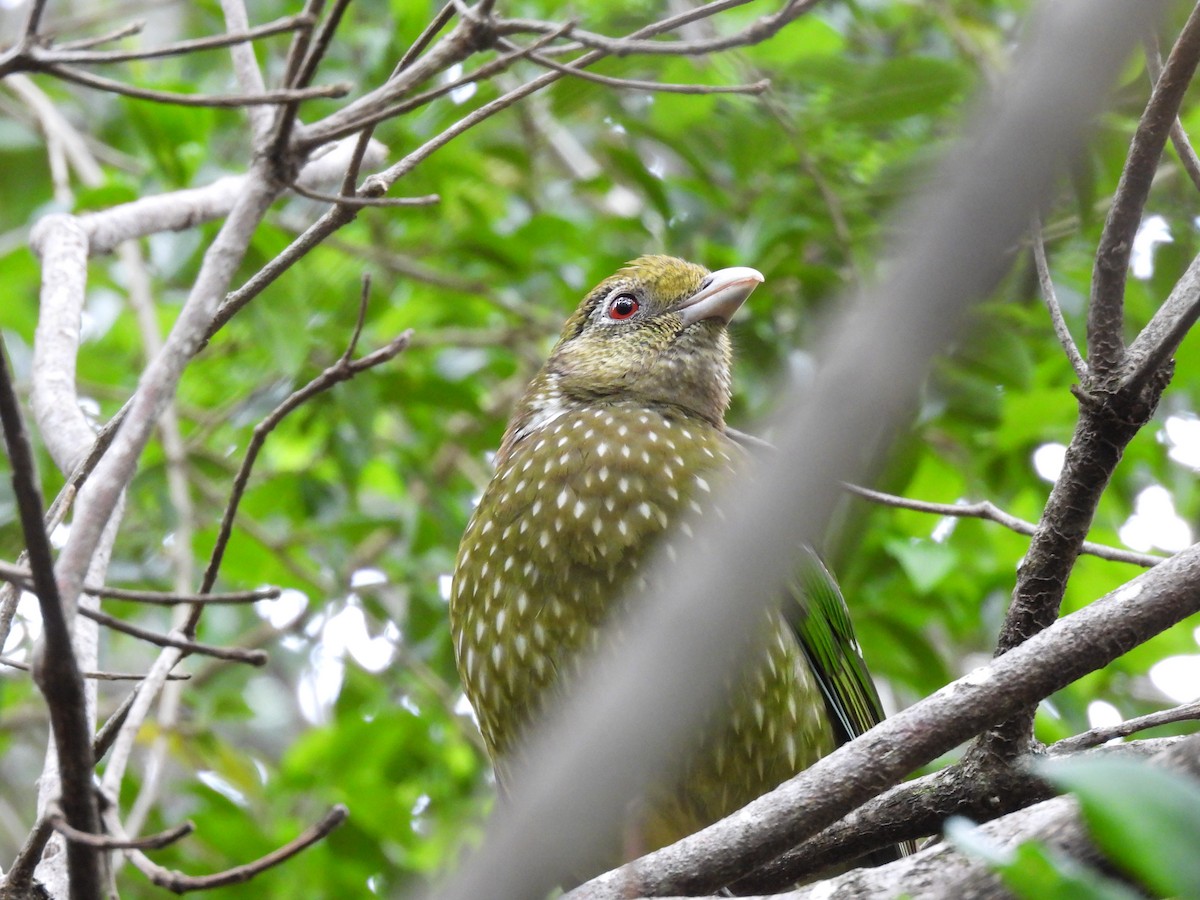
(819, 616)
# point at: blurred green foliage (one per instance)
(360, 496)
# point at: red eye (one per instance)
(623, 307)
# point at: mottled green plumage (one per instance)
(620, 435)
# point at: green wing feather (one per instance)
(819, 616)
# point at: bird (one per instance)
(617, 443)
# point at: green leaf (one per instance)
(1144, 818)
(1033, 872)
(926, 563)
(900, 88)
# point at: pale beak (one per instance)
(721, 295)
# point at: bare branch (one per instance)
(1051, 300)
(179, 883)
(340, 371)
(985, 509)
(360, 202)
(481, 73)
(1187, 712)
(1106, 315)
(1165, 331)
(104, 842)
(627, 46)
(250, 657)
(66, 54)
(56, 671)
(107, 37)
(226, 101)
(1179, 139)
(633, 84)
(21, 576)
(97, 676)
(246, 71)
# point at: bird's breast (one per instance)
(561, 530)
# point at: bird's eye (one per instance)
(622, 307)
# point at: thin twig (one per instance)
(112, 726)
(988, 511)
(340, 371)
(304, 55)
(225, 101)
(1179, 139)
(33, 21)
(107, 37)
(22, 577)
(1187, 712)
(98, 676)
(634, 84)
(628, 46)
(1051, 300)
(250, 657)
(180, 883)
(104, 842)
(1106, 313)
(57, 673)
(65, 55)
(486, 70)
(343, 200)
(319, 45)
(19, 879)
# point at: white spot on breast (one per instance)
(536, 508)
(562, 441)
(623, 484)
(623, 430)
(646, 457)
(702, 484)
(500, 619)
(645, 510)
(563, 497)
(579, 509)
(601, 448)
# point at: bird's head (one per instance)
(653, 333)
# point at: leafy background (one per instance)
(359, 499)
